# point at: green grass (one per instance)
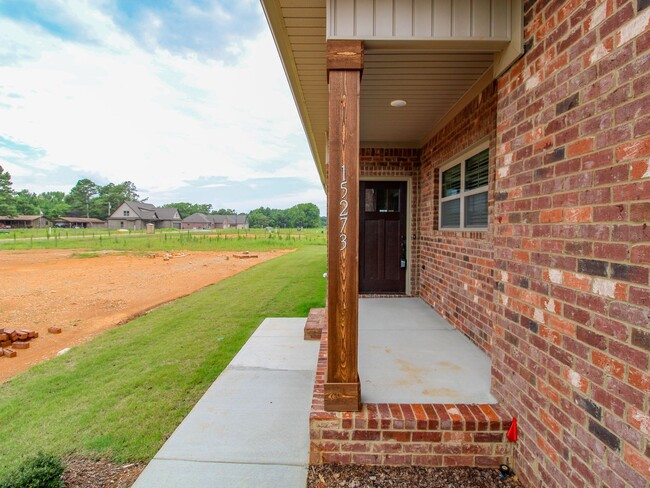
(86, 255)
(122, 394)
(11, 234)
(226, 240)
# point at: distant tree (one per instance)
(128, 190)
(81, 196)
(186, 209)
(53, 204)
(281, 218)
(295, 217)
(26, 203)
(258, 219)
(111, 196)
(301, 215)
(304, 215)
(224, 211)
(7, 204)
(312, 214)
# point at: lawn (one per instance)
(122, 394)
(220, 240)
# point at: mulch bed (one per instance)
(354, 476)
(86, 473)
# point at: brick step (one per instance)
(406, 434)
(316, 322)
(411, 435)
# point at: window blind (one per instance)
(477, 170)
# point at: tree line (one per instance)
(85, 199)
(88, 199)
(302, 215)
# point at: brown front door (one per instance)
(382, 237)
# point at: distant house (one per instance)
(203, 221)
(136, 216)
(239, 221)
(168, 218)
(220, 221)
(80, 222)
(198, 221)
(25, 222)
(230, 221)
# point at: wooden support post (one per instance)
(344, 64)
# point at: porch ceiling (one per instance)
(429, 75)
(430, 82)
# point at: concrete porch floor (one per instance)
(408, 353)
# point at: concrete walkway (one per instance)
(251, 428)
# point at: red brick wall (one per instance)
(456, 268)
(397, 163)
(571, 339)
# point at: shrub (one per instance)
(41, 471)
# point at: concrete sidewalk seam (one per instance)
(257, 368)
(292, 465)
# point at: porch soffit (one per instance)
(431, 75)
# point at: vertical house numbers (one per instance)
(343, 213)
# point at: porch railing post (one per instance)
(344, 65)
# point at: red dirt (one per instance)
(87, 296)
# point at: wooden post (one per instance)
(344, 64)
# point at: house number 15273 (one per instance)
(343, 214)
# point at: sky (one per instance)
(185, 98)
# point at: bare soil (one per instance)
(353, 476)
(88, 295)
(86, 473)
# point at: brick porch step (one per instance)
(406, 434)
(316, 322)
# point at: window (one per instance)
(382, 200)
(463, 192)
(127, 213)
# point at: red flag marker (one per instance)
(512, 431)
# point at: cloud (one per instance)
(214, 185)
(190, 26)
(111, 105)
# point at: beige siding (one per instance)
(120, 211)
(166, 224)
(419, 19)
(128, 224)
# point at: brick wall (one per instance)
(557, 289)
(456, 268)
(397, 163)
(571, 339)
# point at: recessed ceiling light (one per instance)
(398, 103)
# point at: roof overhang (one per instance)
(437, 74)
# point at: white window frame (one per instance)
(460, 159)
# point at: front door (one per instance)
(382, 237)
